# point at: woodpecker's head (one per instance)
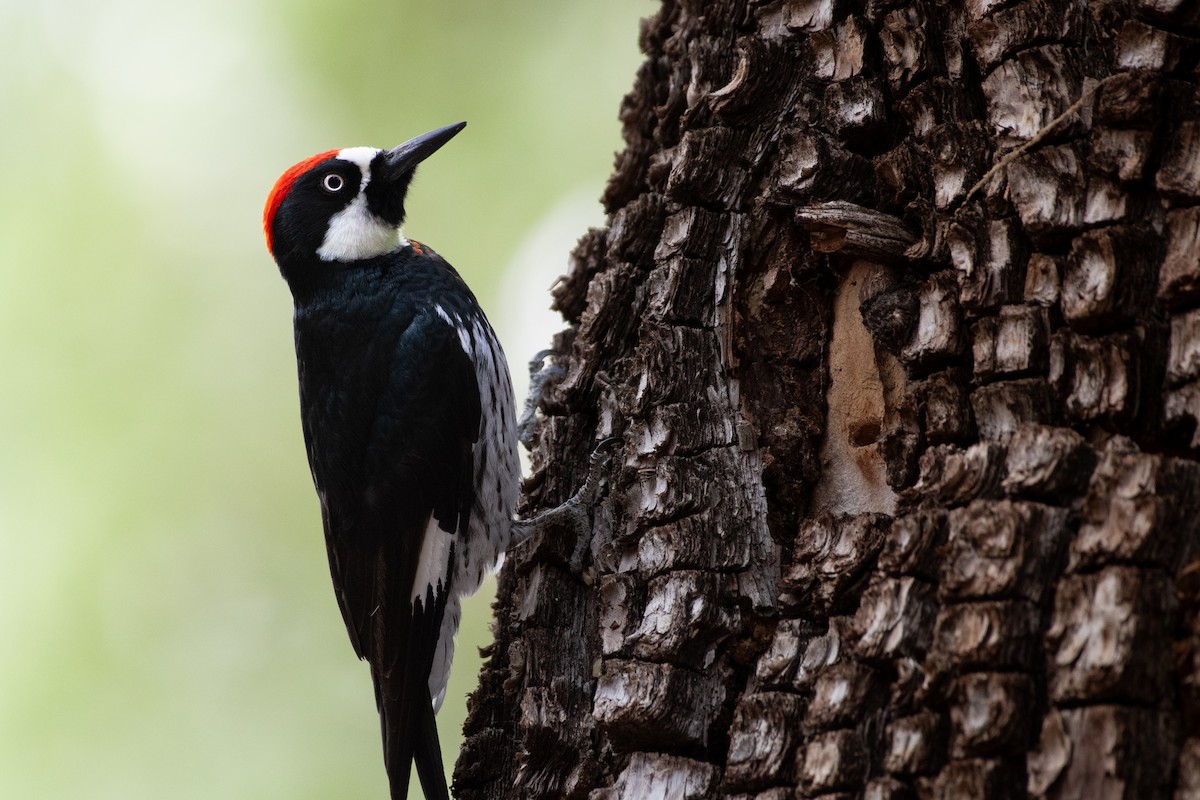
(345, 205)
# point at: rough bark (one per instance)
(897, 315)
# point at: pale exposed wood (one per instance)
(778, 666)
(812, 164)
(854, 473)
(1049, 191)
(1100, 620)
(1183, 357)
(825, 652)
(954, 476)
(893, 618)
(763, 741)
(958, 161)
(990, 713)
(838, 52)
(1117, 753)
(1028, 91)
(887, 788)
(1140, 509)
(916, 745)
(688, 615)
(654, 776)
(1179, 278)
(989, 261)
(1001, 408)
(988, 634)
(997, 36)
(1047, 463)
(938, 336)
(1002, 549)
(1012, 343)
(656, 705)
(832, 761)
(1102, 283)
(906, 48)
(831, 552)
(1179, 175)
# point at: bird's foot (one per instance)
(541, 377)
(576, 511)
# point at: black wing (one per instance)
(416, 481)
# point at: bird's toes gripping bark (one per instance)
(541, 377)
(576, 511)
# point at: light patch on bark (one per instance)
(1140, 46)
(677, 704)
(1047, 189)
(948, 184)
(655, 776)
(938, 334)
(812, 15)
(1104, 202)
(838, 53)
(853, 472)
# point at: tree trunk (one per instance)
(898, 317)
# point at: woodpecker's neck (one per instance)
(309, 276)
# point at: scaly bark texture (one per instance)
(897, 314)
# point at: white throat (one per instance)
(355, 233)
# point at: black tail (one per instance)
(427, 752)
(410, 734)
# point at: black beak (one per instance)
(403, 159)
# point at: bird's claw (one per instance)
(539, 359)
(599, 459)
(588, 494)
(580, 506)
(576, 511)
(540, 377)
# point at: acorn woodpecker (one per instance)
(407, 410)
(408, 416)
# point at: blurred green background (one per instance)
(167, 627)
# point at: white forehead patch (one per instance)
(362, 156)
(354, 233)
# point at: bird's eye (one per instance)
(333, 183)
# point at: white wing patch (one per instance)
(433, 564)
(497, 479)
(355, 233)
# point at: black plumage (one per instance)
(407, 413)
(390, 409)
